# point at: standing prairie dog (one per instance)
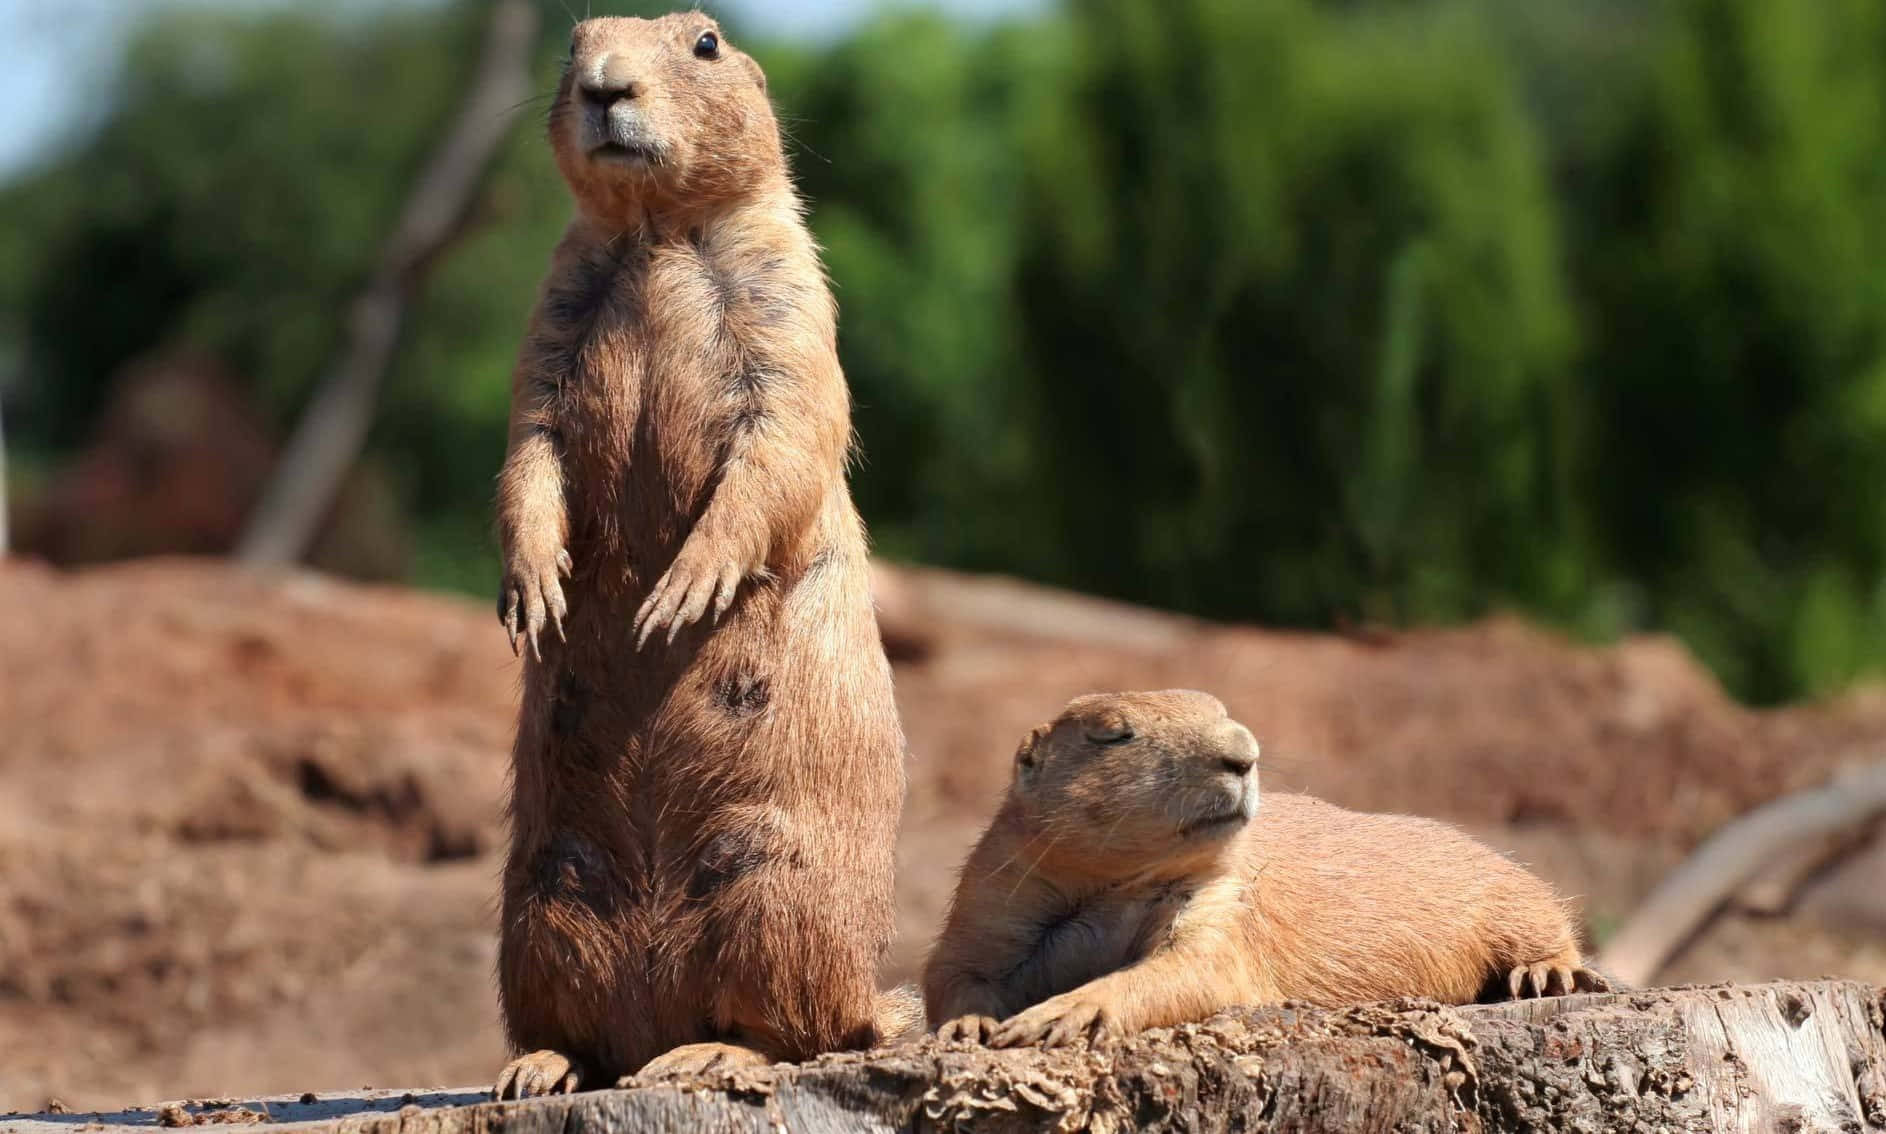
(708, 768)
(1131, 880)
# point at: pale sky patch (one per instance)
(58, 58)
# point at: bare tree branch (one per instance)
(1683, 902)
(1773, 889)
(334, 428)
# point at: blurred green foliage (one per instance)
(1276, 310)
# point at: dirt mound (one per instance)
(1500, 722)
(176, 460)
(250, 825)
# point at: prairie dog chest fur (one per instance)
(654, 340)
(1091, 936)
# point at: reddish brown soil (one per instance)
(249, 825)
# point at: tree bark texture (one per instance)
(1796, 1056)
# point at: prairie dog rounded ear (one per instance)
(759, 76)
(1028, 756)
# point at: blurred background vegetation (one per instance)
(1304, 313)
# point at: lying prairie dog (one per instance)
(1131, 880)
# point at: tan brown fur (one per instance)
(1132, 880)
(708, 766)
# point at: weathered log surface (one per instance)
(1797, 1056)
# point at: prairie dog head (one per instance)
(652, 113)
(1136, 781)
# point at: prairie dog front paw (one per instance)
(532, 594)
(1059, 1021)
(702, 574)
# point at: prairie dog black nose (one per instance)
(1237, 748)
(611, 79)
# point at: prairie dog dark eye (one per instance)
(707, 47)
(1118, 733)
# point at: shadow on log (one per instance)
(1803, 1056)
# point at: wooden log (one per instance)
(1773, 890)
(1796, 1056)
(1685, 901)
(912, 600)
